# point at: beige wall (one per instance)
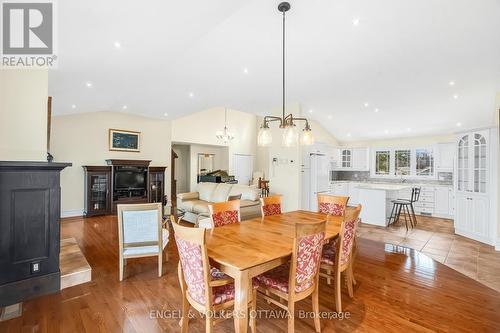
(23, 114)
(182, 167)
(83, 140)
(200, 128)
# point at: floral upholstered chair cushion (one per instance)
(332, 204)
(225, 218)
(309, 252)
(330, 249)
(192, 268)
(271, 209)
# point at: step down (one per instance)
(74, 267)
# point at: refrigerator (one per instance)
(315, 179)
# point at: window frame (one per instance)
(413, 162)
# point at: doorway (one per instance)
(243, 168)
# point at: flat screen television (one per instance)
(130, 178)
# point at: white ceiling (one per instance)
(399, 58)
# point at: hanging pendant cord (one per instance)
(284, 69)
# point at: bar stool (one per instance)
(407, 207)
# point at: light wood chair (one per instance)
(141, 233)
(332, 204)
(299, 279)
(338, 256)
(270, 205)
(223, 213)
(205, 288)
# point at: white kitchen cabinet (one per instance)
(472, 217)
(360, 159)
(445, 157)
(353, 193)
(346, 158)
(334, 158)
(441, 201)
(340, 188)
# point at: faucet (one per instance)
(403, 180)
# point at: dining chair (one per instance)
(298, 279)
(337, 256)
(223, 213)
(270, 205)
(332, 204)
(203, 287)
(141, 233)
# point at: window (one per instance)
(424, 162)
(382, 162)
(402, 163)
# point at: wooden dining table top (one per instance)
(254, 242)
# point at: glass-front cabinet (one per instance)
(156, 184)
(97, 190)
(346, 158)
(472, 213)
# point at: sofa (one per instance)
(194, 204)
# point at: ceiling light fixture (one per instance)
(386, 132)
(376, 110)
(451, 83)
(355, 21)
(73, 106)
(310, 111)
(455, 96)
(459, 124)
(117, 44)
(124, 107)
(245, 70)
(225, 135)
(330, 117)
(165, 114)
(366, 104)
(191, 94)
(287, 122)
(89, 84)
(349, 135)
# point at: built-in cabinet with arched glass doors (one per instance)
(472, 173)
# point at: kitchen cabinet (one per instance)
(351, 159)
(340, 188)
(445, 157)
(473, 195)
(441, 201)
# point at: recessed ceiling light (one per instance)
(117, 44)
(349, 134)
(355, 21)
(191, 94)
(386, 131)
(124, 107)
(310, 111)
(459, 124)
(245, 70)
(330, 117)
(455, 96)
(451, 83)
(408, 129)
(165, 114)
(376, 110)
(73, 106)
(366, 104)
(89, 84)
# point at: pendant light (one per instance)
(225, 135)
(287, 122)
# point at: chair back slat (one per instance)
(332, 204)
(415, 194)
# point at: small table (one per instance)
(247, 249)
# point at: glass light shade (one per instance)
(290, 136)
(307, 137)
(264, 137)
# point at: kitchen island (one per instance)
(376, 201)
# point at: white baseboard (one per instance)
(72, 213)
(497, 245)
(476, 237)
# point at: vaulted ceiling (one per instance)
(365, 68)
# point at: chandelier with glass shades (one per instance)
(287, 122)
(225, 135)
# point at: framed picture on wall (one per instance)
(120, 140)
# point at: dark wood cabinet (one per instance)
(97, 190)
(111, 185)
(156, 184)
(30, 210)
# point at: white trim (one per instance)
(72, 213)
(497, 245)
(476, 237)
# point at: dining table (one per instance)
(249, 248)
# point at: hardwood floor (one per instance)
(399, 290)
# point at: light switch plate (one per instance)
(35, 267)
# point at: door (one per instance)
(479, 216)
(243, 168)
(462, 211)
